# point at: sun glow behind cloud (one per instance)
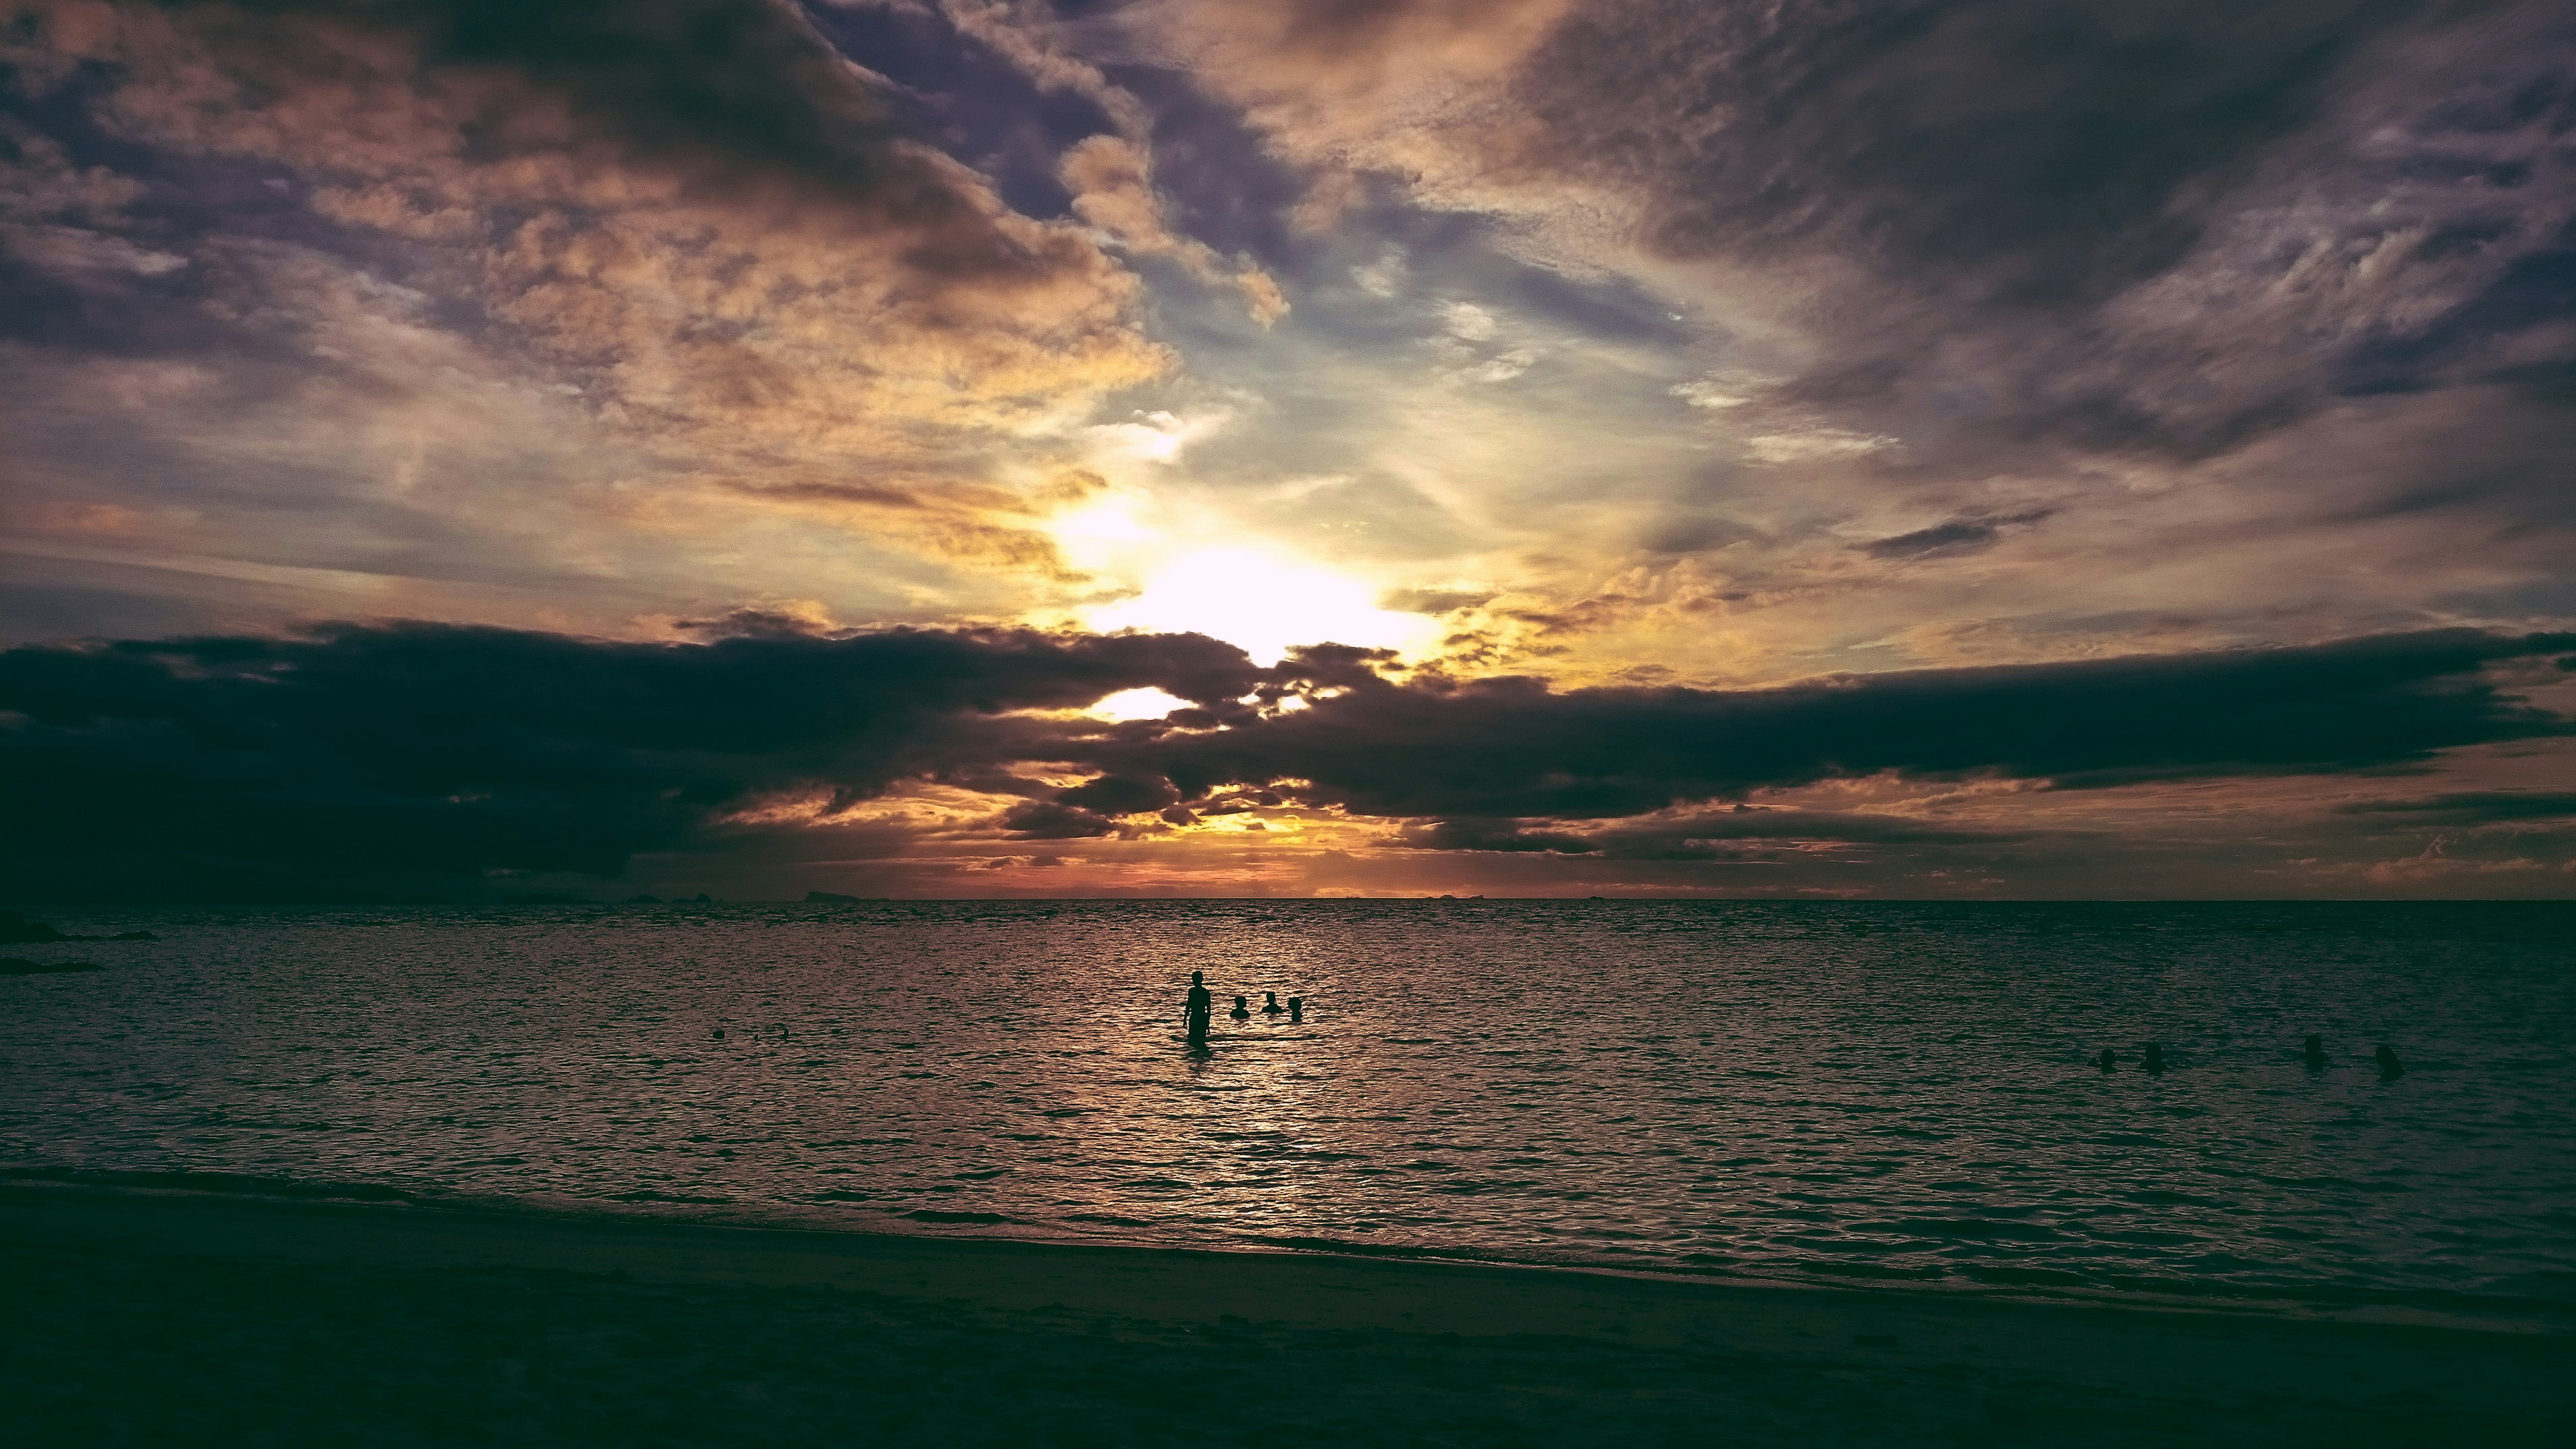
(840, 392)
(1127, 704)
(1263, 603)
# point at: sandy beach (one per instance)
(164, 1318)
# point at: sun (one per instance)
(1263, 603)
(1134, 704)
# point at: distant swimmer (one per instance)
(1241, 1012)
(2389, 1067)
(1270, 1004)
(1196, 1010)
(2314, 1053)
(1296, 1008)
(2155, 1061)
(2107, 1060)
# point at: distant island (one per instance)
(16, 929)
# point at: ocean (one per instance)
(1885, 1094)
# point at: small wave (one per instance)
(2003, 1275)
(1365, 1250)
(1981, 1228)
(1886, 1271)
(239, 1184)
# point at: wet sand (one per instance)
(166, 1318)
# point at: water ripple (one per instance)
(1891, 1093)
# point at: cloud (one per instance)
(1722, 390)
(415, 759)
(1383, 277)
(2072, 213)
(2473, 807)
(2094, 256)
(695, 215)
(1122, 795)
(1815, 444)
(1698, 834)
(368, 759)
(1263, 300)
(1958, 536)
(1028, 34)
(2435, 862)
(641, 309)
(1467, 322)
(1341, 88)
(1645, 341)
(1513, 748)
(1042, 820)
(1113, 189)
(39, 182)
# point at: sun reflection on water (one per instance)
(1895, 1093)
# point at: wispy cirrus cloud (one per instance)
(2005, 259)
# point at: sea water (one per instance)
(1840, 1093)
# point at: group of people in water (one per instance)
(2313, 1052)
(1199, 1007)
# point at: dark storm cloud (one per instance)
(1513, 748)
(1040, 820)
(1122, 795)
(425, 758)
(367, 755)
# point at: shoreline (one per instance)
(2537, 1318)
(411, 1300)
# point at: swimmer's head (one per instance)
(1196, 977)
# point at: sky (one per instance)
(465, 450)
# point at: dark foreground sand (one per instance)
(181, 1319)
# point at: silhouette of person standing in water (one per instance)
(1197, 1009)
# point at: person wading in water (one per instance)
(1196, 1011)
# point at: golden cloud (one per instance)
(772, 292)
